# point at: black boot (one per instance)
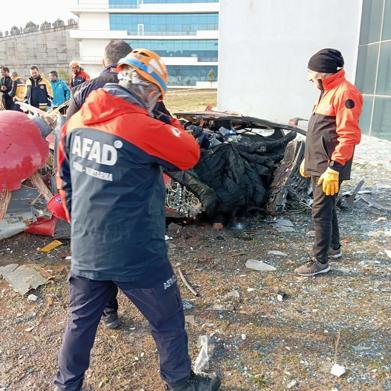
(198, 383)
(111, 320)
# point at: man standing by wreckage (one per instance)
(333, 132)
(110, 179)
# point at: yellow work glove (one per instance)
(302, 171)
(329, 181)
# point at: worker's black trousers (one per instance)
(324, 217)
(162, 307)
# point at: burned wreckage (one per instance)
(247, 164)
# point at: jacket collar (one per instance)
(334, 80)
(105, 104)
(109, 69)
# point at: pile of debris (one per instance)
(247, 164)
(26, 175)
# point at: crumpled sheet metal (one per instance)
(23, 151)
(27, 212)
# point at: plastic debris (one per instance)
(281, 296)
(259, 266)
(278, 253)
(187, 305)
(51, 246)
(232, 295)
(337, 370)
(202, 361)
(292, 384)
(32, 298)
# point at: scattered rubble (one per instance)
(187, 305)
(51, 246)
(22, 278)
(259, 266)
(277, 253)
(202, 361)
(292, 384)
(32, 298)
(337, 370)
(284, 225)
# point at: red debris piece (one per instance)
(23, 151)
(43, 227)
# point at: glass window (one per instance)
(366, 68)
(164, 24)
(203, 50)
(383, 86)
(372, 11)
(381, 126)
(188, 75)
(387, 21)
(365, 118)
(136, 3)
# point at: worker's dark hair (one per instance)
(34, 67)
(115, 50)
(54, 73)
(5, 69)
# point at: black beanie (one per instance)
(326, 61)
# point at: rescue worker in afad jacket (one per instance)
(110, 161)
(333, 132)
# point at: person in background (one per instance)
(61, 92)
(5, 88)
(79, 76)
(333, 132)
(18, 91)
(39, 92)
(113, 52)
(110, 180)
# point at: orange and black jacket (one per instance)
(333, 129)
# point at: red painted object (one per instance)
(23, 151)
(43, 227)
(56, 207)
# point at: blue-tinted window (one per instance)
(188, 75)
(381, 124)
(366, 68)
(204, 50)
(136, 3)
(387, 20)
(383, 86)
(164, 24)
(372, 11)
(365, 118)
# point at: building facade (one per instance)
(263, 66)
(183, 32)
(373, 75)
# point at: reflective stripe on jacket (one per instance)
(38, 92)
(18, 91)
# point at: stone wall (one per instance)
(50, 49)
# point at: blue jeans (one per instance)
(161, 305)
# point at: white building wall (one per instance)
(264, 47)
(94, 21)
